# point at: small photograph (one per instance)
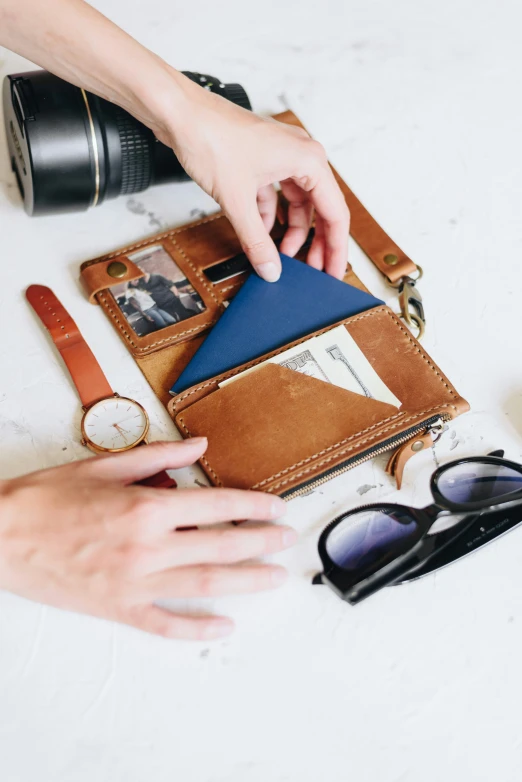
(163, 297)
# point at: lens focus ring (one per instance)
(135, 141)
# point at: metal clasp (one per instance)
(410, 301)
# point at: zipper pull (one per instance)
(405, 452)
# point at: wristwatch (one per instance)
(110, 423)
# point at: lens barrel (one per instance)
(71, 150)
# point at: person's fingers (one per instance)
(159, 621)
(147, 460)
(299, 217)
(214, 581)
(267, 205)
(315, 256)
(331, 206)
(213, 506)
(255, 240)
(221, 546)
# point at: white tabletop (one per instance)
(418, 105)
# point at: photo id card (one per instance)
(163, 297)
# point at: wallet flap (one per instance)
(268, 420)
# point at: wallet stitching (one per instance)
(352, 437)
(229, 288)
(341, 453)
(203, 459)
(371, 313)
(309, 458)
(114, 315)
(422, 354)
(195, 270)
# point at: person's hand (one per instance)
(80, 537)
(236, 156)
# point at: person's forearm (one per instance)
(231, 153)
(79, 44)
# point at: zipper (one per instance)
(435, 425)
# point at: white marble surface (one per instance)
(418, 105)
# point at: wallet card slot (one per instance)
(191, 395)
(267, 421)
(393, 352)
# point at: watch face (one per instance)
(115, 424)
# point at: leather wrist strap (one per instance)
(366, 231)
(79, 359)
(161, 480)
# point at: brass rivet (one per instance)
(418, 445)
(391, 259)
(116, 269)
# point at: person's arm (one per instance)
(234, 155)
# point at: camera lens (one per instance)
(71, 150)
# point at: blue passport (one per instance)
(265, 316)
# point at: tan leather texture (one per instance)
(256, 440)
(271, 419)
(366, 231)
(402, 455)
(85, 371)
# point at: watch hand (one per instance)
(125, 420)
(120, 429)
(121, 432)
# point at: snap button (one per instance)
(117, 269)
(391, 259)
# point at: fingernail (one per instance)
(218, 629)
(194, 441)
(290, 537)
(269, 271)
(278, 508)
(278, 576)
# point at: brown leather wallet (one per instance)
(257, 438)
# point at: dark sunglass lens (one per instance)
(363, 538)
(478, 482)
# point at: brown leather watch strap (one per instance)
(161, 480)
(79, 359)
(371, 238)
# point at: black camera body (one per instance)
(71, 150)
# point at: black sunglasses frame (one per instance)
(415, 552)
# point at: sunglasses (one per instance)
(381, 545)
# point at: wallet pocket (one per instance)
(281, 431)
(274, 421)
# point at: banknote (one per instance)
(333, 357)
(305, 362)
(346, 365)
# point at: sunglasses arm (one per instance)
(439, 541)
